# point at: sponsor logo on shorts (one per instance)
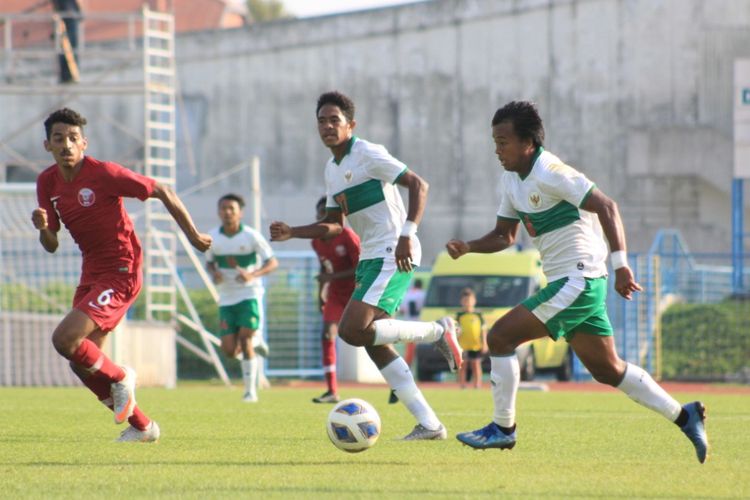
(86, 197)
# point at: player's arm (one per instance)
(609, 217)
(216, 273)
(500, 238)
(331, 225)
(268, 266)
(180, 214)
(47, 237)
(418, 189)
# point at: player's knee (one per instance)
(498, 344)
(353, 336)
(228, 349)
(64, 344)
(605, 374)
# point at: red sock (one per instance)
(94, 361)
(411, 347)
(138, 419)
(329, 364)
(102, 388)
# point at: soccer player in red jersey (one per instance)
(338, 256)
(86, 195)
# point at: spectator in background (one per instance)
(473, 338)
(338, 255)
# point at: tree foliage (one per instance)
(266, 10)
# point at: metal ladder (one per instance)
(159, 161)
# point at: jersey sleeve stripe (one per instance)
(406, 169)
(586, 196)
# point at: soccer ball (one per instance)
(353, 425)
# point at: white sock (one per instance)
(641, 388)
(249, 373)
(399, 377)
(505, 377)
(389, 331)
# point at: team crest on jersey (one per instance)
(340, 250)
(348, 175)
(535, 199)
(86, 197)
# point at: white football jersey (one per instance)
(547, 202)
(363, 187)
(246, 249)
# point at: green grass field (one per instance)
(59, 443)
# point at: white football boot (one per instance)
(133, 435)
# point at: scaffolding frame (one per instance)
(146, 48)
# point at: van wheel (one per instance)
(528, 367)
(565, 372)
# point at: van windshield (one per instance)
(492, 291)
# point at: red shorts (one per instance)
(333, 309)
(106, 299)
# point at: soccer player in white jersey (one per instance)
(237, 261)
(360, 183)
(564, 214)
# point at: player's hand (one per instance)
(39, 218)
(457, 248)
(625, 283)
(243, 276)
(201, 241)
(403, 254)
(280, 231)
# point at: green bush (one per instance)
(706, 341)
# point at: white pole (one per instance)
(256, 197)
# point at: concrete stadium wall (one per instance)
(635, 93)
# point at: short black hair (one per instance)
(321, 202)
(64, 115)
(417, 283)
(466, 292)
(525, 118)
(233, 197)
(336, 98)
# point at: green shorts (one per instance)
(245, 313)
(380, 284)
(570, 305)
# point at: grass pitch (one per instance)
(58, 443)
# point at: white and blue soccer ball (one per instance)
(353, 425)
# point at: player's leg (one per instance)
(359, 316)
(476, 368)
(381, 285)
(249, 364)
(462, 370)
(599, 356)
(102, 388)
(328, 341)
(519, 325)
(247, 319)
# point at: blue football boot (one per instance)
(695, 428)
(489, 436)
